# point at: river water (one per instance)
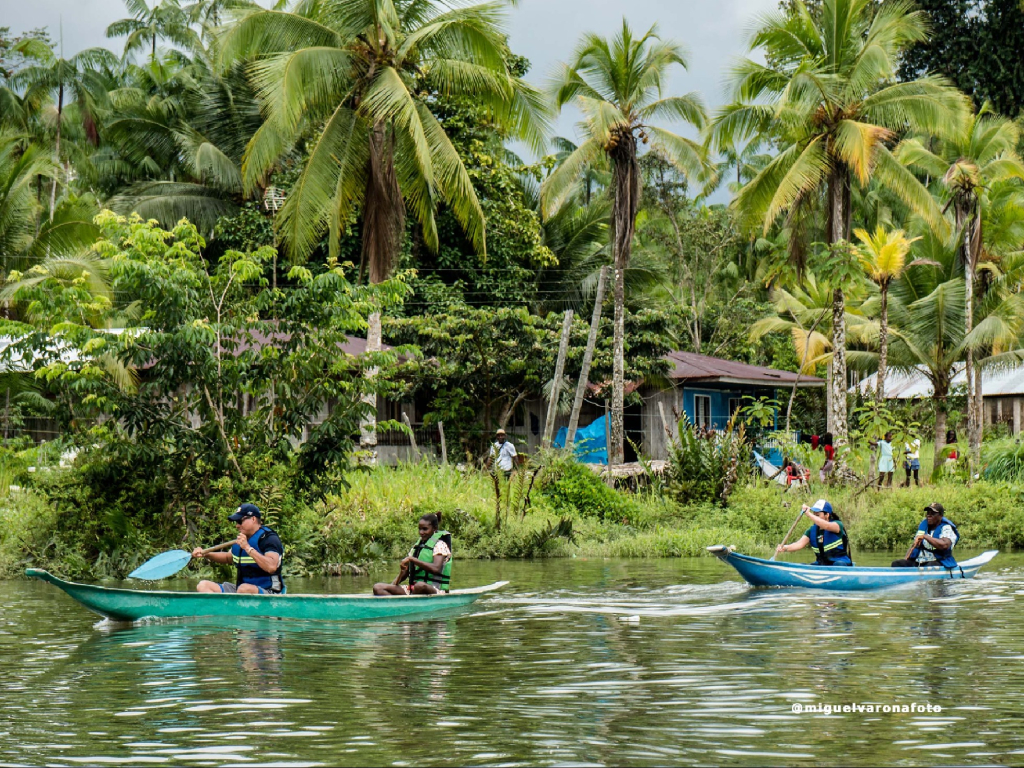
(576, 662)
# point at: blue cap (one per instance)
(822, 506)
(244, 511)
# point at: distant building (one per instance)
(1002, 391)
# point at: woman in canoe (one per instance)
(428, 565)
(827, 536)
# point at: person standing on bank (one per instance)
(503, 453)
(934, 541)
(912, 460)
(428, 564)
(886, 464)
(827, 536)
(256, 553)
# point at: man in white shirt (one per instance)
(912, 461)
(503, 453)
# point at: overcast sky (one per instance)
(545, 31)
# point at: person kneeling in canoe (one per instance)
(934, 541)
(827, 536)
(428, 565)
(256, 553)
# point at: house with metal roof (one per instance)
(1002, 390)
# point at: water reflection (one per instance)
(624, 663)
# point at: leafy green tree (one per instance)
(75, 77)
(224, 366)
(976, 44)
(883, 255)
(827, 98)
(164, 20)
(618, 84)
(973, 164)
(359, 74)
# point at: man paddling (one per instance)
(428, 565)
(256, 553)
(827, 536)
(933, 543)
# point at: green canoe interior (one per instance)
(134, 604)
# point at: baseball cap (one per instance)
(822, 506)
(244, 511)
(935, 507)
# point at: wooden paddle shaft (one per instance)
(789, 532)
(218, 548)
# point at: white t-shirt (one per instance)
(506, 453)
(944, 532)
(913, 449)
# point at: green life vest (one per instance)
(417, 574)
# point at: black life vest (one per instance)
(829, 547)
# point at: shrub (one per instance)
(705, 467)
(572, 487)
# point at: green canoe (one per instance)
(134, 604)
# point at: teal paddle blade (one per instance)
(163, 565)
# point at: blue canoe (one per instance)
(769, 573)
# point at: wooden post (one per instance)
(556, 385)
(444, 447)
(412, 436)
(607, 436)
(588, 357)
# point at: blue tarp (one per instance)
(591, 444)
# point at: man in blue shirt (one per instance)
(827, 536)
(256, 553)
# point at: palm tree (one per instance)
(76, 76)
(356, 76)
(828, 99)
(970, 163)
(618, 85)
(163, 20)
(20, 169)
(884, 257)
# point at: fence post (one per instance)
(556, 384)
(444, 447)
(412, 436)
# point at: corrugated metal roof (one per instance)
(689, 366)
(905, 385)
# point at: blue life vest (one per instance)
(249, 572)
(943, 556)
(830, 548)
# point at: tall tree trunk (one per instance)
(838, 231)
(971, 219)
(829, 422)
(60, 114)
(939, 399)
(383, 226)
(556, 383)
(883, 347)
(979, 407)
(588, 357)
(627, 201)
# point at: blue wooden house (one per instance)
(708, 390)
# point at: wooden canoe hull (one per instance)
(135, 604)
(769, 573)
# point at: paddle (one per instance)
(169, 563)
(789, 532)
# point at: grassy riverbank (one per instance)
(66, 521)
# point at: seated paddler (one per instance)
(933, 543)
(428, 566)
(826, 536)
(256, 553)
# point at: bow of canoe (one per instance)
(771, 573)
(135, 604)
